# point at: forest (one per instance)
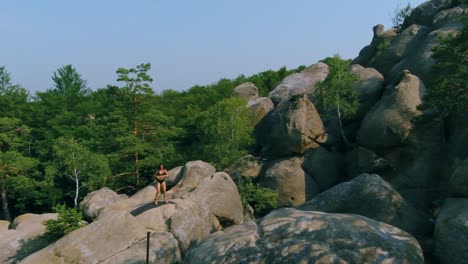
(60, 144)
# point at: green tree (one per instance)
(136, 89)
(448, 90)
(13, 97)
(226, 131)
(78, 164)
(335, 92)
(13, 163)
(400, 14)
(69, 219)
(69, 85)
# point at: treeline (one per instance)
(58, 145)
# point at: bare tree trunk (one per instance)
(135, 133)
(6, 211)
(341, 124)
(77, 186)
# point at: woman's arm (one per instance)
(166, 173)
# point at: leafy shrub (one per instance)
(262, 200)
(400, 14)
(68, 220)
(383, 45)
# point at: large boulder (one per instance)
(292, 236)
(260, 107)
(24, 237)
(292, 128)
(116, 236)
(389, 122)
(369, 88)
(425, 12)
(4, 225)
(299, 83)
(174, 177)
(286, 176)
(95, 201)
(449, 16)
(370, 196)
(193, 172)
(324, 176)
(401, 46)
(246, 166)
(458, 182)
(419, 61)
(362, 160)
(247, 90)
(451, 232)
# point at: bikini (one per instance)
(158, 173)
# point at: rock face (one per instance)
(260, 107)
(324, 176)
(370, 196)
(247, 90)
(23, 238)
(247, 166)
(291, 236)
(292, 128)
(369, 88)
(361, 160)
(299, 83)
(451, 232)
(95, 201)
(458, 182)
(294, 186)
(389, 123)
(203, 202)
(424, 13)
(174, 177)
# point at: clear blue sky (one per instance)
(187, 42)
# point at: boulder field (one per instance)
(394, 194)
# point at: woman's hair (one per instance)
(160, 164)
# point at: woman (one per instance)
(160, 174)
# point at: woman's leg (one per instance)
(158, 190)
(164, 191)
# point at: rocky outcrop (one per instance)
(260, 107)
(23, 237)
(247, 166)
(451, 232)
(389, 123)
(361, 160)
(203, 202)
(369, 88)
(174, 177)
(458, 182)
(324, 176)
(401, 46)
(95, 201)
(286, 176)
(299, 83)
(425, 12)
(193, 173)
(246, 90)
(292, 236)
(292, 128)
(370, 196)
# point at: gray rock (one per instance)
(260, 107)
(425, 12)
(95, 201)
(459, 179)
(174, 177)
(291, 236)
(247, 166)
(247, 90)
(286, 176)
(361, 160)
(24, 237)
(451, 232)
(293, 127)
(369, 89)
(449, 16)
(4, 225)
(192, 173)
(325, 167)
(401, 46)
(389, 122)
(370, 196)
(299, 83)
